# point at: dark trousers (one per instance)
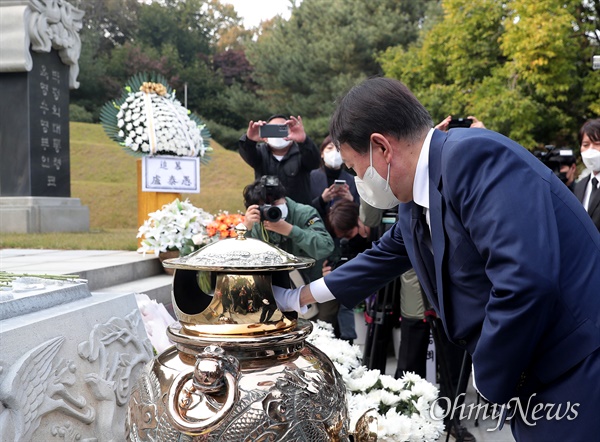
(456, 359)
(412, 354)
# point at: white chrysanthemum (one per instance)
(366, 380)
(120, 123)
(425, 389)
(121, 134)
(411, 392)
(389, 398)
(129, 127)
(391, 383)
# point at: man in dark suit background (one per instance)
(587, 190)
(489, 231)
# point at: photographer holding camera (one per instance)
(296, 228)
(281, 147)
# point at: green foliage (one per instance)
(519, 66)
(226, 136)
(78, 113)
(304, 64)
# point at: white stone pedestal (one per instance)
(67, 370)
(42, 215)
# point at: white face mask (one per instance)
(375, 190)
(332, 159)
(284, 210)
(278, 143)
(591, 159)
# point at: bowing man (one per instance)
(489, 230)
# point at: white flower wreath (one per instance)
(149, 120)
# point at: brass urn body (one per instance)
(240, 369)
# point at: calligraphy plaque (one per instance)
(165, 173)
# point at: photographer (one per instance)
(351, 237)
(290, 158)
(564, 165)
(296, 228)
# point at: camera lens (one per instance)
(270, 213)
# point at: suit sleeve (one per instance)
(371, 270)
(505, 205)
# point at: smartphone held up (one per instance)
(273, 131)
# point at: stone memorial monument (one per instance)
(69, 361)
(39, 51)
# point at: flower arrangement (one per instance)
(403, 406)
(148, 120)
(174, 227)
(223, 225)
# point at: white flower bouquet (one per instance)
(149, 120)
(403, 406)
(174, 227)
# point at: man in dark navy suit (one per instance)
(490, 231)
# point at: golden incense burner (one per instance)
(240, 369)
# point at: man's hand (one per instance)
(476, 122)
(252, 216)
(253, 132)
(282, 227)
(443, 125)
(327, 269)
(288, 300)
(296, 129)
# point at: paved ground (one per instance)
(63, 262)
(75, 261)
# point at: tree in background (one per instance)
(521, 66)
(303, 65)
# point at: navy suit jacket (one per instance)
(517, 262)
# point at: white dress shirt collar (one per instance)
(421, 182)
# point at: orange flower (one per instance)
(224, 224)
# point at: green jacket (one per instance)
(308, 238)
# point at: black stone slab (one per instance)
(34, 129)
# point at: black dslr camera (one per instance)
(554, 158)
(268, 212)
(346, 253)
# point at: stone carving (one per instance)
(56, 24)
(34, 386)
(67, 432)
(111, 384)
(40, 382)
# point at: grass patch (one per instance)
(112, 239)
(104, 178)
